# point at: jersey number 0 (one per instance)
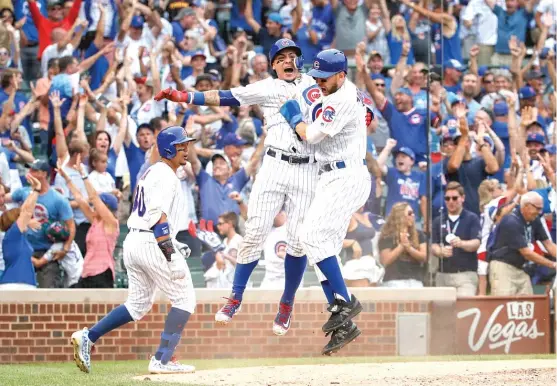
(139, 201)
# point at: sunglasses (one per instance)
(380, 84)
(55, 8)
(453, 198)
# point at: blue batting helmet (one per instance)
(282, 44)
(328, 63)
(169, 138)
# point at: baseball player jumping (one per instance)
(287, 178)
(153, 259)
(337, 125)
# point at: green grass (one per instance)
(120, 373)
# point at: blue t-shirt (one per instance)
(21, 10)
(549, 207)
(177, 32)
(214, 196)
(470, 174)
(502, 131)
(446, 48)
(63, 84)
(323, 22)
(395, 47)
(237, 19)
(17, 256)
(508, 25)
(99, 69)
(438, 183)
(136, 158)
(309, 49)
(51, 206)
(410, 129)
(111, 166)
(402, 187)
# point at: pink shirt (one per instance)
(100, 250)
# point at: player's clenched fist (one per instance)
(292, 113)
(172, 95)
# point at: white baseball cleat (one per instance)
(82, 346)
(172, 367)
(231, 308)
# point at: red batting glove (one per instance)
(172, 95)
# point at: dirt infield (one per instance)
(493, 373)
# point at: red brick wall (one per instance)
(35, 331)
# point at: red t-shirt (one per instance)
(45, 25)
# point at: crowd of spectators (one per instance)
(462, 148)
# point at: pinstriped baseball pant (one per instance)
(148, 270)
(277, 184)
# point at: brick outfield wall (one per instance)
(39, 331)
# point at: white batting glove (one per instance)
(177, 267)
(184, 249)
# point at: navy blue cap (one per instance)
(110, 201)
(137, 21)
(526, 92)
(232, 139)
(536, 137)
(406, 150)
(40, 165)
(500, 109)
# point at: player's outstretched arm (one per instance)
(207, 98)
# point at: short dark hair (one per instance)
(230, 217)
(64, 62)
(52, 63)
(156, 123)
(7, 75)
(453, 185)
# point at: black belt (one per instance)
(329, 167)
(140, 230)
(31, 45)
(291, 159)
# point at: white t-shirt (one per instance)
(216, 278)
(144, 112)
(52, 52)
(121, 161)
(72, 263)
(102, 182)
(133, 48)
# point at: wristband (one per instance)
(36, 190)
(196, 98)
(167, 249)
(161, 230)
(84, 178)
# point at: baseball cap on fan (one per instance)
(40, 165)
(223, 156)
(137, 22)
(183, 13)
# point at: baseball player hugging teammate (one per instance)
(153, 258)
(332, 115)
(287, 178)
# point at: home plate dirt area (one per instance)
(537, 372)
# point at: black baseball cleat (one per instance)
(342, 312)
(341, 337)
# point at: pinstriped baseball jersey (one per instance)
(158, 191)
(341, 116)
(270, 94)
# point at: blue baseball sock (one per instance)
(294, 268)
(175, 322)
(331, 270)
(115, 318)
(328, 291)
(241, 277)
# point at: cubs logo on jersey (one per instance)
(311, 94)
(328, 114)
(415, 119)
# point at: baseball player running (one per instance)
(153, 259)
(337, 124)
(287, 178)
